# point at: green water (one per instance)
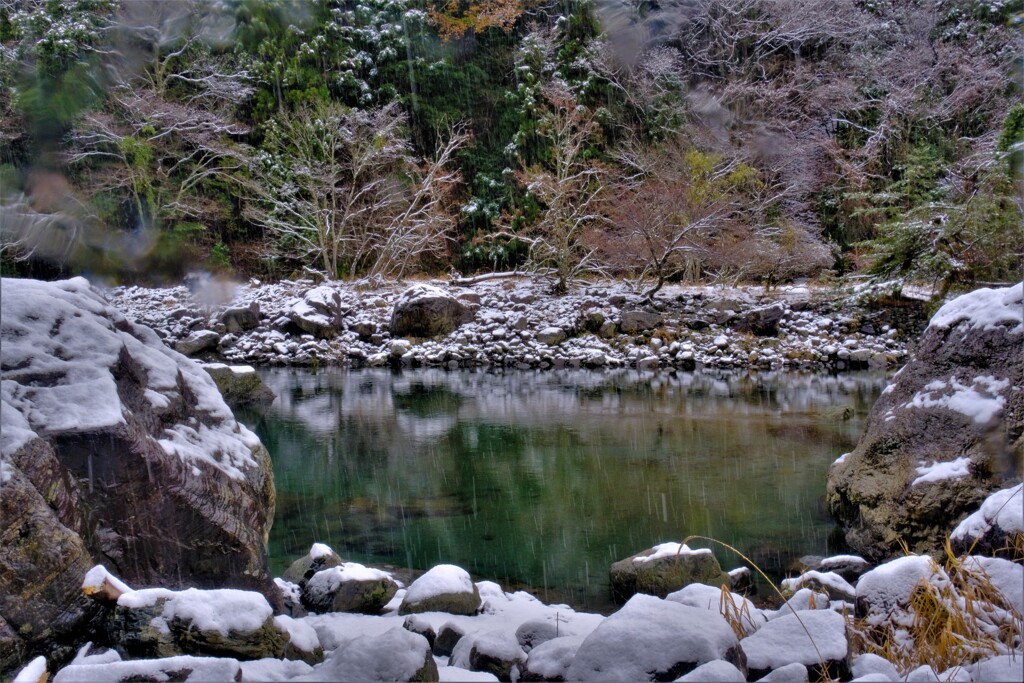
(543, 479)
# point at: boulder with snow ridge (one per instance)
(947, 432)
(119, 450)
(443, 588)
(651, 639)
(240, 319)
(663, 569)
(319, 557)
(427, 311)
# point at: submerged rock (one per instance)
(115, 449)
(948, 431)
(664, 569)
(239, 384)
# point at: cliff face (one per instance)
(945, 434)
(115, 450)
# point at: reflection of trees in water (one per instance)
(549, 477)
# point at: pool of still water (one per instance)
(541, 480)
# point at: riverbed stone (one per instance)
(947, 432)
(197, 342)
(319, 312)
(493, 652)
(182, 668)
(240, 319)
(319, 557)
(631, 322)
(550, 660)
(427, 311)
(763, 321)
(552, 336)
(664, 575)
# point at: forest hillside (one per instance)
(737, 140)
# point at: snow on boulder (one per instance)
(718, 671)
(786, 641)
(240, 385)
(730, 605)
(348, 587)
(946, 433)
(889, 587)
(319, 557)
(1006, 668)
(115, 448)
(550, 660)
(226, 622)
(665, 568)
(835, 586)
(1006, 577)
(303, 642)
(197, 342)
(427, 311)
(444, 588)
(496, 652)
(651, 639)
(181, 668)
(319, 312)
(396, 655)
(34, 672)
(993, 527)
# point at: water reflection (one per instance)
(544, 479)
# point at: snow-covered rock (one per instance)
(444, 588)
(718, 671)
(890, 586)
(938, 440)
(395, 655)
(114, 446)
(550, 660)
(993, 525)
(730, 605)
(181, 668)
(653, 639)
(816, 639)
(665, 568)
(427, 311)
(496, 652)
(349, 587)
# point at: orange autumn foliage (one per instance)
(458, 17)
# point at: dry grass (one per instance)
(956, 617)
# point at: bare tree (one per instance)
(340, 186)
(568, 187)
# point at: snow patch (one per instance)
(979, 400)
(222, 610)
(1004, 509)
(670, 549)
(98, 575)
(986, 309)
(440, 580)
(33, 672)
(939, 471)
(320, 550)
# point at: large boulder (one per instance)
(650, 639)
(997, 528)
(763, 322)
(663, 569)
(241, 318)
(427, 311)
(947, 432)
(114, 450)
(632, 322)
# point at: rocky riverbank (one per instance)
(517, 323)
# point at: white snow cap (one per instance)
(223, 610)
(98, 575)
(670, 549)
(318, 550)
(33, 672)
(440, 580)
(65, 331)
(1004, 509)
(985, 309)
